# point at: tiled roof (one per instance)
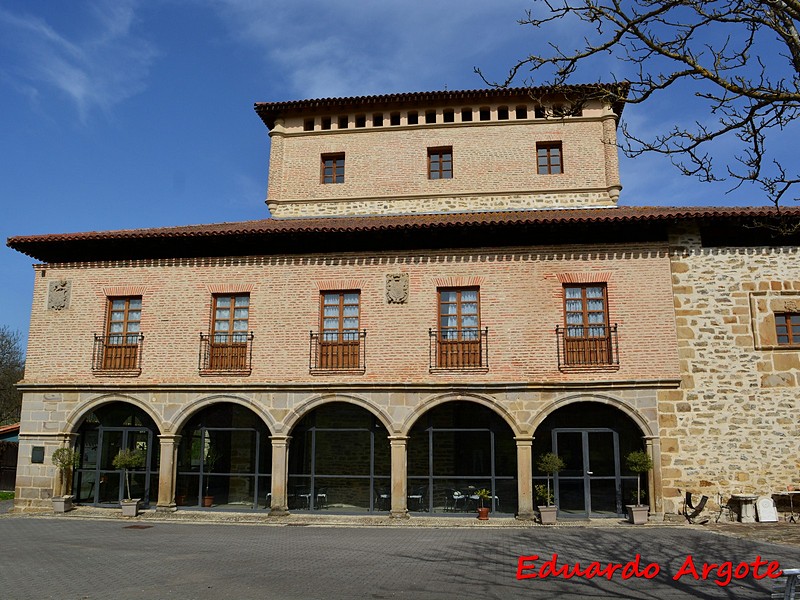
(46, 247)
(269, 111)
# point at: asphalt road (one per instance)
(78, 559)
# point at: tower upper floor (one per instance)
(440, 152)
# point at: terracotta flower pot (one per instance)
(483, 514)
(548, 514)
(208, 501)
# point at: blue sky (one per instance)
(119, 114)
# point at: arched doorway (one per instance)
(592, 439)
(339, 459)
(224, 459)
(456, 449)
(103, 433)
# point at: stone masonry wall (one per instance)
(732, 426)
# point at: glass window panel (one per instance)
(575, 331)
(350, 311)
(331, 298)
(118, 304)
(795, 319)
(449, 322)
(594, 305)
(469, 308)
(240, 313)
(597, 331)
(574, 306)
(220, 325)
(574, 319)
(331, 311)
(223, 313)
(240, 325)
(331, 324)
(434, 174)
(351, 323)
(448, 296)
(469, 296)
(117, 316)
(782, 329)
(134, 315)
(594, 292)
(783, 339)
(223, 301)
(135, 303)
(449, 309)
(351, 298)
(242, 301)
(133, 327)
(573, 292)
(596, 318)
(116, 328)
(469, 321)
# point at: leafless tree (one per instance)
(12, 364)
(738, 58)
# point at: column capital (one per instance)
(169, 437)
(398, 440)
(280, 438)
(524, 440)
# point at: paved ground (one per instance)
(85, 555)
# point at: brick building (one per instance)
(446, 290)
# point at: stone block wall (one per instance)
(732, 426)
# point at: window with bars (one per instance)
(787, 329)
(459, 337)
(228, 348)
(587, 337)
(440, 163)
(332, 168)
(548, 158)
(339, 339)
(123, 333)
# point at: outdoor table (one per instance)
(791, 493)
(747, 502)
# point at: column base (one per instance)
(279, 511)
(399, 515)
(164, 508)
(531, 516)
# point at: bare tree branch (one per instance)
(740, 59)
(12, 364)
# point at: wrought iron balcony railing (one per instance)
(337, 351)
(226, 352)
(117, 352)
(587, 346)
(459, 349)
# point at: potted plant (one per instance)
(550, 464)
(128, 459)
(639, 462)
(212, 456)
(483, 511)
(65, 459)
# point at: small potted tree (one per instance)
(212, 456)
(65, 459)
(483, 511)
(550, 464)
(127, 460)
(639, 462)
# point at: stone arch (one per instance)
(76, 416)
(439, 399)
(187, 411)
(624, 407)
(308, 405)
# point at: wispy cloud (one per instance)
(360, 47)
(96, 68)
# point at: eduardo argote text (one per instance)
(531, 567)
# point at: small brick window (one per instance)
(308, 125)
(548, 158)
(787, 329)
(430, 116)
(449, 116)
(332, 168)
(440, 163)
(502, 113)
(466, 115)
(394, 119)
(343, 122)
(413, 117)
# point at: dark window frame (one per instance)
(787, 326)
(330, 164)
(440, 162)
(549, 158)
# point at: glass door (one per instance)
(590, 484)
(110, 488)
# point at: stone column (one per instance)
(654, 484)
(524, 478)
(279, 503)
(611, 154)
(167, 472)
(399, 477)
